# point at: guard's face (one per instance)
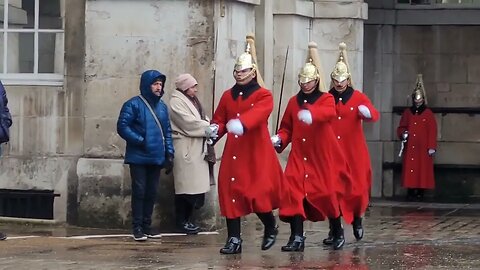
(308, 87)
(156, 88)
(244, 76)
(340, 86)
(418, 102)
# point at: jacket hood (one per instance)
(147, 79)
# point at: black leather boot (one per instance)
(233, 246)
(295, 243)
(338, 237)
(269, 238)
(357, 228)
(271, 229)
(329, 240)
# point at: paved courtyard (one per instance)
(398, 236)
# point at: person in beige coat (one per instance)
(191, 170)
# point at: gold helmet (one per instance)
(245, 60)
(341, 71)
(312, 70)
(419, 91)
(248, 59)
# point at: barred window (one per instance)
(32, 42)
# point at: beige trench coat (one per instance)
(190, 170)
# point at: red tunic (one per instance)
(250, 173)
(316, 169)
(349, 132)
(417, 171)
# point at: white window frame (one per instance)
(35, 78)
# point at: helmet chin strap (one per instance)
(246, 76)
(311, 89)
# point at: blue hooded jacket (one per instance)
(5, 117)
(136, 125)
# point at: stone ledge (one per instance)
(321, 9)
(251, 2)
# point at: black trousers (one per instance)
(185, 204)
(268, 220)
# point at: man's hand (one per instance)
(431, 152)
(364, 111)
(305, 116)
(235, 126)
(211, 131)
(168, 164)
(276, 141)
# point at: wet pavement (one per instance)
(398, 236)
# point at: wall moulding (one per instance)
(322, 9)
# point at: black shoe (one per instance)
(187, 228)
(3, 236)
(193, 226)
(233, 246)
(338, 242)
(337, 231)
(295, 243)
(152, 234)
(269, 239)
(357, 228)
(329, 240)
(138, 235)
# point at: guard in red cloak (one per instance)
(418, 128)
(353, 108)
(250, 174)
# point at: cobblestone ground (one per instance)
(398, 236)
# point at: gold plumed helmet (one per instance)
(312, 70)
(248, 59)
(419, 91)
(341, 71)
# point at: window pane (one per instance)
(16, 15)
(50, 53)
(50, 15)
(20, 62)
(28, 7)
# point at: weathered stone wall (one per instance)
(171, 36)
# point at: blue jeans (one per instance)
(145, 180)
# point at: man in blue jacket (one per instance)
(5, 123)
(144, 124)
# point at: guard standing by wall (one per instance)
(418, 128)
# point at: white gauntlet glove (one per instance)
(405, 135)
(276, 141)
(364, 111)
(235, 126)
(431, 152)
(211, 131)
(305, 116)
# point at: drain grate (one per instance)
(27, 203)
